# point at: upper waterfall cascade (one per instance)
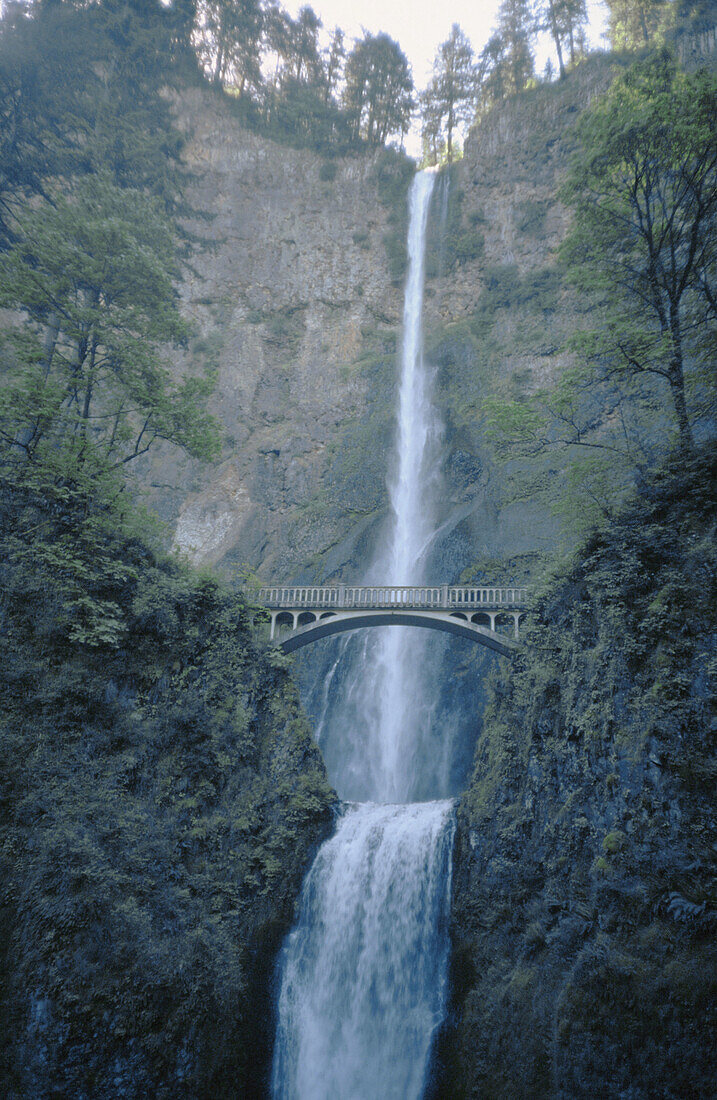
(363, 974)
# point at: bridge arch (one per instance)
(313, 612)
(336, 623)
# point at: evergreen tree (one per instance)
(634, 23)
(695, 16)
(305, 54)
(334, 58)
(448, 101)
(378, 95)
(565, 20)
(227, 36)
(506, 62)
(82, 90)
(93, 273)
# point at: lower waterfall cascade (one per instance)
(363, 974)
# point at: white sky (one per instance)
(419, 27)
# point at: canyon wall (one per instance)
(296, 304)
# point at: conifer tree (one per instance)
(634, 23)
(378, 95)
(448, 101)
(227, 36)
(506, 63)
(565, 20)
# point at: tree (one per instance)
(642, 256)
(378, 96)
(81, 89)
(305, 54)
(565, 20)
(633, 23)
(506, 62)
(644, 192)
(694, 16)
(334, 56)
(84, 379)
(448, 101)
(227, 38)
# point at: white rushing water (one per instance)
(378, 733)
(363, 981)
(363, 974)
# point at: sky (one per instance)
(419, 27)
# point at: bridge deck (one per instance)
(345, 597)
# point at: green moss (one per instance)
(613, 842)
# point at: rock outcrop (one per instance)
(296, 303)
(292, 283)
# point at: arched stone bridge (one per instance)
(301, 615)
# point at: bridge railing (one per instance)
(345, 596)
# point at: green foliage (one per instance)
(81, 88)
(449, 100)
(613, 841)
(632, 24)
(644, 189)
(565, 20)
(160, 792)
(160, 795)
(378, 96)
(531, 217)
(638, 267)
(93, 274)
(506, 62)
(588, 830)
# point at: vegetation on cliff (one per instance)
(161, 794)
(160, 790)
(585, 880)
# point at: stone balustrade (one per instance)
(346, 597)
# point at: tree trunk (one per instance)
(556, 39)
(677, 384)
(217, 78)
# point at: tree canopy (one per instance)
(644, 191)
(379, 89)
(449, 99)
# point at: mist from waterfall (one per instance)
(363, 973)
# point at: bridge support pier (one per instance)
(284, 616)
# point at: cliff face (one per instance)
(292, 285)
(297, 306)
(584, 866)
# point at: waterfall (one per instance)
(363, 973)
(364, 970)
